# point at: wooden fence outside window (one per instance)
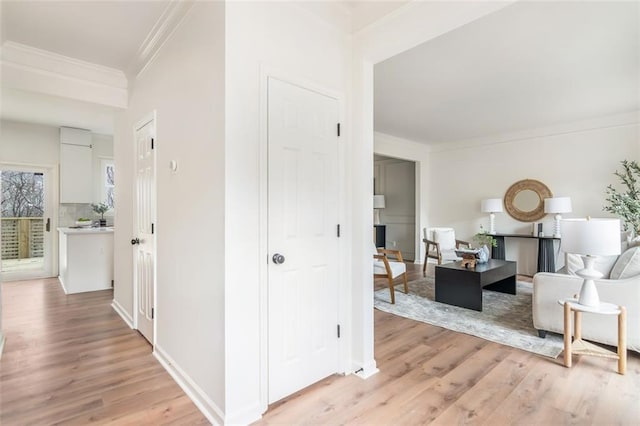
(22, 237)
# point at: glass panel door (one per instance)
(25, 222)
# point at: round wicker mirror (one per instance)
(524, 200)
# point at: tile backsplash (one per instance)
(69, 213)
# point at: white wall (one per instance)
(262, 38)
(184, 84)
(577, 160)
(396, 180)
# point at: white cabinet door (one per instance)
(76, 174)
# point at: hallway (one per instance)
(72, 360)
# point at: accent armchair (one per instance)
(389, 264)
(441, 244)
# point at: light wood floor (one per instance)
(71, 360)
(432, 375)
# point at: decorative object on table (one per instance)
(557, 205)
(378, 203)
(101, 209)
(626, 204)
(523, 200)
(484, 240)
(491, 206)
(591, 237)
(505, 318)
(469, 257)
(84, 222)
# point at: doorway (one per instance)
(27, 214)
(395, 179)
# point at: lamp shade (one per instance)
(491, 205)
(591, 236)
(557, 205)
(378, 201)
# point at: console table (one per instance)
(546, 258)
(380, 235)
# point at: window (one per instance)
(108, 182)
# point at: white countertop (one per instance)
(91, 230)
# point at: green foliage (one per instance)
(484, 238)
(101, 208)
(626, 204)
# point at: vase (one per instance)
(483, 254)
(103, 223)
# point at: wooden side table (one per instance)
(582, 347)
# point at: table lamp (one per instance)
(590, 238)
(378, 203)
(491, 206)
(557, 205)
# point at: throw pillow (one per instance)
(628, 264)
(446, 238)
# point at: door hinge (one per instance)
(152, 143)
(338, 230)
(338, 129)
(111, 283)
(153, 313)
(338, 331)
(153, 228)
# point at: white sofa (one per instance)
(548, 288)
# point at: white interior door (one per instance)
(144, 230)
(28, 222)
(303, 219)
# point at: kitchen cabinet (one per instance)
(85, 259)
(76, 166)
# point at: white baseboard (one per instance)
(210, 410)
(1, 344)
(367, 370)
(123, 313)
(62, 284)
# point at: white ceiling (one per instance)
(529, 65)
(108, 33)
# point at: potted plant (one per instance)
(484, 240)
(101, 209)
(626, 204)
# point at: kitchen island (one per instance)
(86, 259)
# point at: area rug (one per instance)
(505, 318)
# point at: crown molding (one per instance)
(44, 60)
(160, 32)
(35, 70)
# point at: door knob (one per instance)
(135, 241)
(278, 259)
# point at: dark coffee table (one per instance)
(459, 286)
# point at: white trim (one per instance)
(161, 31)
(122, 312)
(344, 276)
(31, 57)
(2, 340)
(211, 411)
(367, 370)
(62, 285)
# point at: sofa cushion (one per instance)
(628, 264)
(446, 238)
(603, 264)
